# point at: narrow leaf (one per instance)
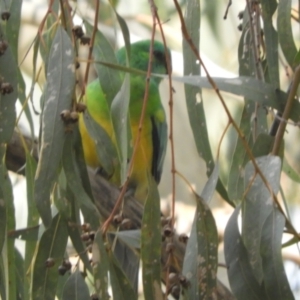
(51, 248)
(151, 244)
(57, 97)
(100, 266)
(285, 33)
(74, 182)
(119, 113)
(8, 70)
(242, 281)
(109, 79)
(275, 280)
(201, 256)
(121, 286)
(75, 288)
(257, 206)
(106, 151)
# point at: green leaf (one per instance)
(8, 224)
(12, 33)
(271, 41)
(74, 183)
(262, 146)
(126, 259)
(201, 255)
(289, 171)
(8, 70)
(100, 266)
(119, 115)
(51, 246)
(106, 151)
(275, 280)
(32, 216)
(4, 183)
(285, 33)
(20, 276)
(151, 244)
(242, 281)
(121, 286)
(257, 206)
(110, 80)
(75, 288)
(58, 97)
(132, 238)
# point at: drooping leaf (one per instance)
(8, 224)
(119, 115)
(100, 266)
(9, 74)
(32, 216)
(20, 275)
(285, 33)
(151, 244)
(106, 151)
(88, 208)
(242, 281)
(201, 255)
(126, 259)
(58, 97)
(51, 248)
(75, 288)
(12, 33)
(121, 286)
(257, 206)
(109, 79)
(271, 41)
(275, 279)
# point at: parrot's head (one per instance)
(140, 56)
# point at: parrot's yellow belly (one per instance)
(142, 163)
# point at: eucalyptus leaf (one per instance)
(151, 244)
(100, 266)
(201, 255)
(285, 33)
(58, 97)
(257, 206)
(275, 279)
(50, 250)
(242, 281)
(75, 288)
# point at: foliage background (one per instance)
(219, 43)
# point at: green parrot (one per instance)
(151, 149)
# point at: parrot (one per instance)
(152, 145)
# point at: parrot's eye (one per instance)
(160, 56)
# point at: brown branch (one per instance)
(105, 195)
